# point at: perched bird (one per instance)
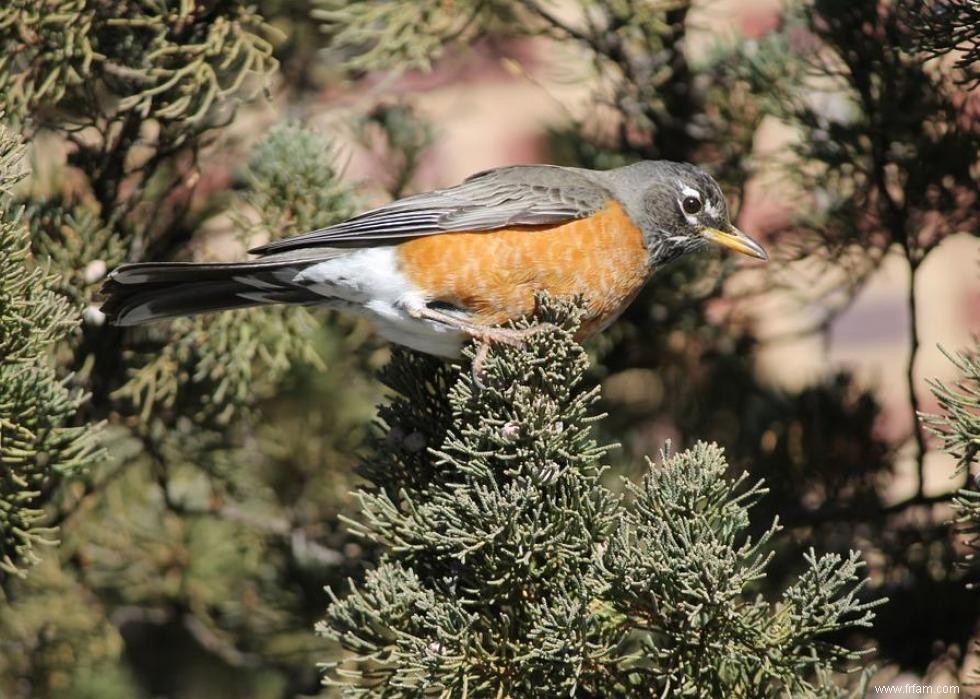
(434, 269)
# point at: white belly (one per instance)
(421, 335)
(372, 285)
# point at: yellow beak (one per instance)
(735, 240)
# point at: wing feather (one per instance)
(519, 195)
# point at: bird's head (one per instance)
(680, 209)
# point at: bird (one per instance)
(436, 269)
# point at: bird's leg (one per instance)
(483, 334)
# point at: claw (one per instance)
(478, 361)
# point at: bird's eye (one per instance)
(691, 205)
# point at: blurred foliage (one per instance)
(886, 163)
(57, 640)
(375, 34)
(188, 535)
(509, 570)
(176, 62)
(293, 183)
(893, 145)
(398, 137)
(947, 29)
(132, 87)
(235, 358)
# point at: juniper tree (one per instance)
(510, 569)
(211, 528)
(958, 425)
(872, 179)
(885, 162)
(891, 168)
(39, 444)
(943, 27)
(893, 165)
(185, 527)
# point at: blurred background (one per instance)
(196, 546)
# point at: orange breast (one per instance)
(494, 275)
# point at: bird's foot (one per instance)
(505, 336)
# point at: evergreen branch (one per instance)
(509, 569)
(38, 445)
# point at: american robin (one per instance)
(433, 269)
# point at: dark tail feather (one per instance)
(146, 292)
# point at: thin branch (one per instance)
(918, 429)
(863, 512)
(212, 642)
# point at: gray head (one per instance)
(679, 208)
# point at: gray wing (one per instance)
(520, 195)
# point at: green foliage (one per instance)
(399, 137)
(57, 643)
(187, 536)
(38, 444)
(293, 183)
(195, 554)
(172, 61)
(224, 362)
(959, 423)
(374, 34)
(187, 531)
(892, 154)
(132, 88)
(78, 245)
(682, 564)
(509, 569)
